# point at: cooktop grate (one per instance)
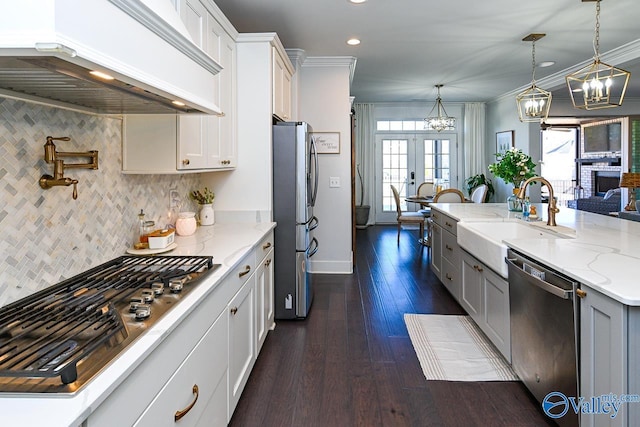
(48, 333)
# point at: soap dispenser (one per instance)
(526, 208)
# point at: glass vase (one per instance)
(513, 203)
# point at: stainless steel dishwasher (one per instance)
(544, 330)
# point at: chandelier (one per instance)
(441, 121)
(533, 103)
(597, 85)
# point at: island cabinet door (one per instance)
(471, 294)
(436, 250)
(603, 356)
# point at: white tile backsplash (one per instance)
(46, 236)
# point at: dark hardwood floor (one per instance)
(351, 362)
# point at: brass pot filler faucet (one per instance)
(53, 156)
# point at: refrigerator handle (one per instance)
(313, 248)
(313, 223)
(314, 155)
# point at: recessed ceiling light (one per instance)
(353, 42)
(545, 64)
(357, 1)
(101, 75)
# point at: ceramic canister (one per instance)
(186, 223)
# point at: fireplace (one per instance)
(604, 181)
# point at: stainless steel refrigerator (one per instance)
(295, 186)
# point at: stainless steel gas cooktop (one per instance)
(56, 340)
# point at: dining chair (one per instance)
(407, 217)
(426, 190)
(479, 194)
(450, 195)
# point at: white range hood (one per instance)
(48, 48)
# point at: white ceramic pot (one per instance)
(207, 215)
(186, 223)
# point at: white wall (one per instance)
(324, 103)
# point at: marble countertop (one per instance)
(604, 254)
(227, 243)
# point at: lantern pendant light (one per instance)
(597, 85)
(441, 121)
(533, 103)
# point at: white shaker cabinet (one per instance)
(191, 143)
(203, 365)
(242, 343)
(282, 74)
(197, 393)
(264, 290)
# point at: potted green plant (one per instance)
(362, 211)
(479, 179)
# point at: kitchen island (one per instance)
(127, 390)
(597, 251)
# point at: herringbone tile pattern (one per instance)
(46, 236)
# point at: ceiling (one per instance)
(474, 48)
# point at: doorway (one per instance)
(558, 166)
(405, 161)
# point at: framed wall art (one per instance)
(504, 141)
(327, 142)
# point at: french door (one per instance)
(405, 161)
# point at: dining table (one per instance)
(423, 201)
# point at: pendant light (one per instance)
(597, 85)
(533, 103)
(441, 121)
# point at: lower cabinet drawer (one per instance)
(242, 272)
(450, 249)
(263, 248)
(451, 278)
(202, 375)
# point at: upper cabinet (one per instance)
(282, 73)
(194, 143)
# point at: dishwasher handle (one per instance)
(536, 277)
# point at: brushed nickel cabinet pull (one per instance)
(183, 412)
(185, 162)
(478, 268)
(448, 224)
(266, 246)
(268, 263)
(448, 247)
(581, 293)
(234, 310)
(448, 276)
(245, 272)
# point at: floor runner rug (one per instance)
(452, 348)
